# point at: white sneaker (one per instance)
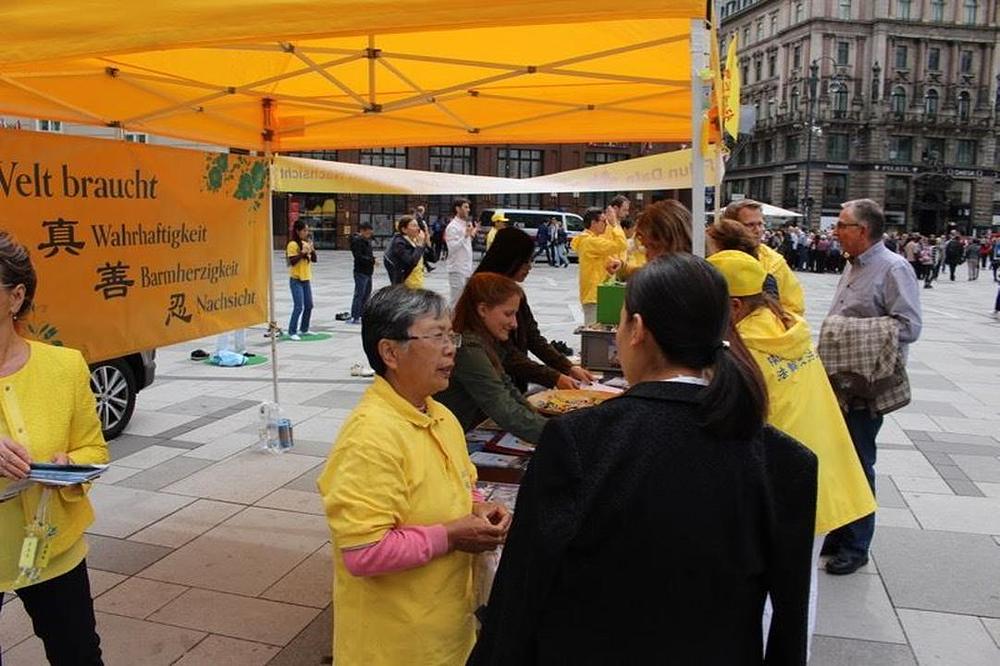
(358, 370)
(295, 337)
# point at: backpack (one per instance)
(395, 274)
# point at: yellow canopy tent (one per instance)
(280, 75)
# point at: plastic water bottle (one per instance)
(274, 429)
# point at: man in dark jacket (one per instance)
(364, 268)
(954, 253)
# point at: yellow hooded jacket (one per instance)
(594, 251)
(802, 404)
(789, 288)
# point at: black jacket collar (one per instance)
(666, 391)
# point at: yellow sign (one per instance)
(731, 91)
(135, 246)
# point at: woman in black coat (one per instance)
(650, 529)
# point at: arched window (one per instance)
(964, 106)
(897, 100)
(931, 102)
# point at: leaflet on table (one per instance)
(484, 459)
(501, 493)
(605, 388)
(509, 444)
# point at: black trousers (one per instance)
(62, 614)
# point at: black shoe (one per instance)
(199, 355)
(845, 563)
(342, 316)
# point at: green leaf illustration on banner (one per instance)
(248, 175)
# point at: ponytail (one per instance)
(734, 405)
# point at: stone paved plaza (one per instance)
(207, 551)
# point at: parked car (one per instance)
(116, 382)
(528, 221)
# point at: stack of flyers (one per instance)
(64, 475)
(484, 459)
(510, 445)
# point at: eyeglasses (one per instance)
(442, 339)
(844, 225)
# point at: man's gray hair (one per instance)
(868, 213)
(389, 315)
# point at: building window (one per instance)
(901, 57)
(381, 211)
(797, 56)
(772, 65)
(965, 62)
(897, 100)
(453, 159)
(937, 10)
(384, 157)
(768, 151)
(897, 192)
(934, 152)
(50, 126)
(843, 53)
(760, 189)
(758, 68)
(760, 30)
(136, 137)
(746, 35)
(798, 12)
(754, 153)
(834, 189)
(964, 106)
(599, 199)
(903, 9)
(844, 9)
(790, 190)
(966, 152)
(745, 72)
(840, 98)
(791, 147)
(795, 99)
(837, 147)
(328, 155)
(934, 59)
(971, 11)
(901, 149)
(774, 24)
(519, 163)
(931, 102)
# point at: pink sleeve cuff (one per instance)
(477, 495)
(400, 549)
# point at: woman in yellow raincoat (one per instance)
(801, 400)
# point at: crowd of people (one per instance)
(718, 479)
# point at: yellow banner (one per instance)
(135, 246)
(731, 91)
(663, 171)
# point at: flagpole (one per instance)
(699, 51)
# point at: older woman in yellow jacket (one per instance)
(47, 414)
(801, 400)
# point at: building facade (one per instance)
(894, 100)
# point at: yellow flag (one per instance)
(731, 92)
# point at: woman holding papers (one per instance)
(650, 529)
(510, 256)
(486, 317)
(47, 414)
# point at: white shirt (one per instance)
(459, 247)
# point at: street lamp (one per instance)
(812, 128)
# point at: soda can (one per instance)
(285, 437)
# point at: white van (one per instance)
(528, 221)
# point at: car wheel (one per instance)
(114, 387)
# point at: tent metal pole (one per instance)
(272, 325)
(699, 60)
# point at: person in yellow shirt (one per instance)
(750, 214)
(47, 414)
(400, 500)
(801, 401)
(499, 221)
(405, 256)
(301, 256)
(598, 243)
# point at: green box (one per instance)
(610, 299)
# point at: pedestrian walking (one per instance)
(925, 255)
(364, 270)
(543, 238)
(995, 263)
(972, 258)
(561, 243)
(877, 284)
(985, 250)
(458, 237)
(954, 254)
(47, 415)
(301, 255)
